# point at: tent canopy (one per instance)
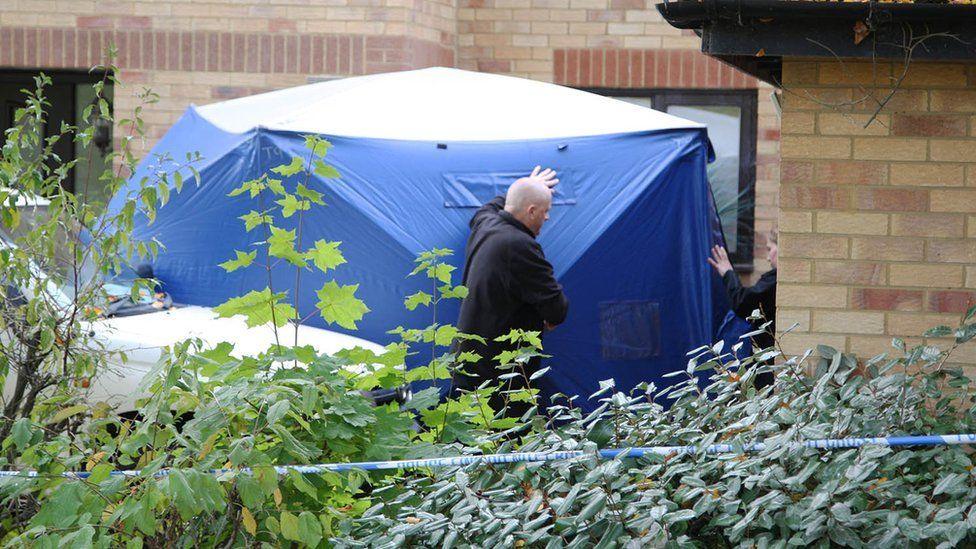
(418, 152)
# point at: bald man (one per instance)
(510, 283)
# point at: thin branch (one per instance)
(909, 44)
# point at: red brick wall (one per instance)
(147, 49)
(395, 53)
(199, 67)
(200, 52)
(639, 68)
(241, 52)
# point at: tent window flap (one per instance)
(472, 190)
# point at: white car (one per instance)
(142, 337)
(142, 330)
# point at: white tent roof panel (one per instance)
(438, 104)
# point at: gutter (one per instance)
(693, 14)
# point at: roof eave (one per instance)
(756, 35)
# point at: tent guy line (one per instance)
(536, 457)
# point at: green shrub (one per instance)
(783, 495)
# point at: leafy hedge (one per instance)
(872, 496)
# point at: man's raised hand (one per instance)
(546, 176)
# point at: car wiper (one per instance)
(125, 306)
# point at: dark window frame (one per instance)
(70, 77)
(748, 102)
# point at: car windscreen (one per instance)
(62, 277)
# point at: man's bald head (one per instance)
(529, 200)
(525, 192)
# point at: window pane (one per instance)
(724, 130)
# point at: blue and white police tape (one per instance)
(523, 457)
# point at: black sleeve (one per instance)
(535, 283)
(746, 300)
(494, 206)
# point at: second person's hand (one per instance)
(720, 260)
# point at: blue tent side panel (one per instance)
(200, 216)
(630, 229)
(641, 295)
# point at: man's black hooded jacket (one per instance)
(510, 285)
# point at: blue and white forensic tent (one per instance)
(418, 153)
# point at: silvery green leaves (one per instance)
(871, 496)
(254, 219)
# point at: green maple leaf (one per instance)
(394, 355)
(506, 357)
(276, 186)
(437, 370)
(258, 308)
(290, 204)
(430, 255)
(445, 335)
(421, 265)
(449, 291)
(511, 336)
(317, 145)
(468, 356)
(441, 271)
(291, 168)
(219, 354)
(324, 170)
(325, 255)
(254, 187)
(523, 395)
(253, 219)
(419, 298)
(532, 338)
(314, 197)
(243, 260)
(339, 304)
(281, 244)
